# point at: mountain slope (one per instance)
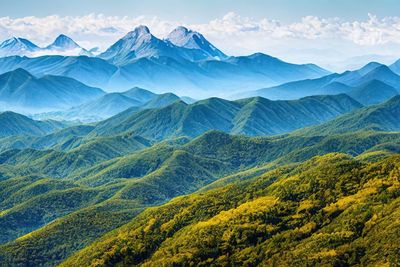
(186, 38)
(395, 67)
(373, 92)
(140, 94)
(318, 212)
(64, 45)
(19, 90)
(185, 63)
(382, 117)
(349, 82)
(88, 70)
(381, 73)
(12, 124)
(137, 44)
(111, 104)
(256, 116)
(17, 46)
(98, 109)
(152, 175)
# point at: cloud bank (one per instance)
(331, 42)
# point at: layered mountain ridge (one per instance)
(185, 63)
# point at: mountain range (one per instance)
(166, 116)
(253, 116)
(372, 84)
(303, 172)
(62, 45)
(65, 191)
(17, 46)
(181, 44)
(21, 91)
(383, 117)
(101, 191)
(185, 63)
(13, 124)
(111, 104)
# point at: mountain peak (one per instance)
(138, 32)
(17, 74)
(63, 38)
(381, 70)
(142, 29)
(180, 31)
(139, 43)
(18, 43)
(369, 67)
(63, 41)
(184, 37)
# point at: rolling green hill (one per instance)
(123, 186)
(253, 116)
(60, 192)
(330, 210)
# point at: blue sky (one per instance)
(197, 11)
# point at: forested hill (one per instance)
(332, 210)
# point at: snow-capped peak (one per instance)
(184, 37)
(142, 29)
(137, 33)
(63, 42)
(16, 42)
(65, 46)
(17, 46)
(136, 44)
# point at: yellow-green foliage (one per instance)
(332, 210)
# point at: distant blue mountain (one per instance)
(17, 46)
(373, 92)
(189, 39)
(111, 104)
(185, 63)
(13, 124)
(136, 44)
(63, 42)
(21, 91)
(181, 44)
(198, 79)
(252, 116)
(395, 67)
(64, 45)
(372, 84)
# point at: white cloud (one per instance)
(311, 39)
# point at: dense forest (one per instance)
(331, 210)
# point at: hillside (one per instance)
(373, 92)
(329, 210)
(253, 116)
(21, 91)
(372, 84)
(111, 104)
(382, 117)
(114, 191)
(12, 124)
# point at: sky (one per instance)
(335, 34)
